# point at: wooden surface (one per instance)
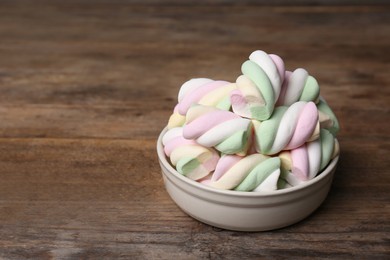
(86, 87)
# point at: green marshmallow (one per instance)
(260, 78)
(311, 91)
(224, 104)
(186, 165)
(266, 132)
(327, 146)
(282, 184)
(257, 112)
(259, 174)
(324, 108)
(234, 144)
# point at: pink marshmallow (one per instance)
(224, 164)
(197, 94)
(238, 100)
(205, 122)
(283, 90)
(211, 163)
(279, 65)
(300, 163)
(306, 124)
(176, 142)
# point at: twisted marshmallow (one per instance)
(259, 88)
(206, 92)
(288, 128)
(200, 91)
(189, 158)
(328, 119)
(176, 120)
(305, 162)
(212, 127)
(254, 172)
(298, 86)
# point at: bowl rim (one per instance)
(163, 159)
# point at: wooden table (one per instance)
(86, 87)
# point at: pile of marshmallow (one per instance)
(269, 130)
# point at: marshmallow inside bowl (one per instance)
(245, 211)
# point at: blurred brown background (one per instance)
(86, 87)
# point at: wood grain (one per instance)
(86, 87)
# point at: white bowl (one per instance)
(245, 211)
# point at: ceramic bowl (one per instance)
(245, 211)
